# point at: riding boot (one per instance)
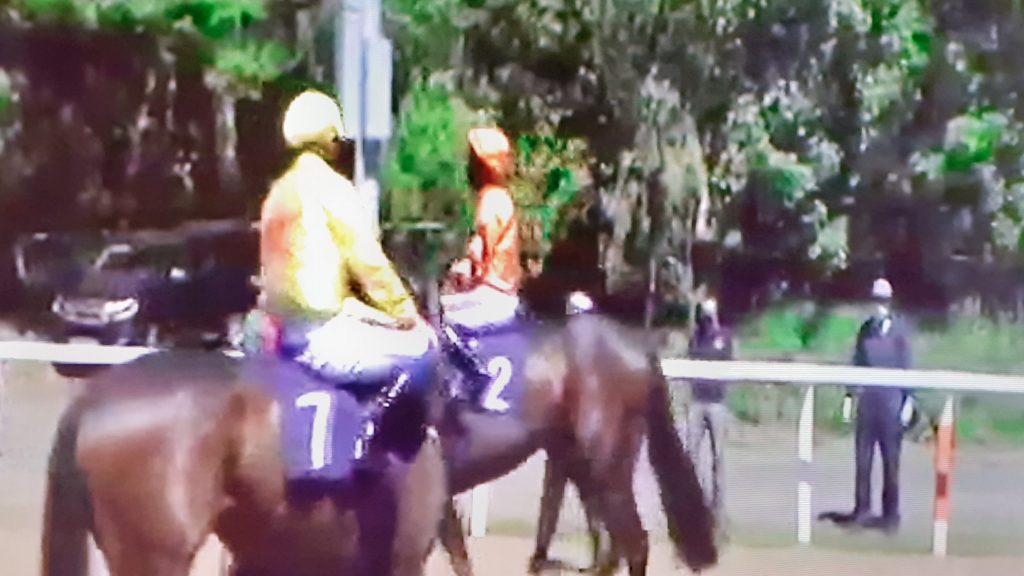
(368, 454)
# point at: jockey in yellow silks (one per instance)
(317, 240)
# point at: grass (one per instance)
(808, 332)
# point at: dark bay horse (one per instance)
(587, 391)
(162, 452)
(158, 454)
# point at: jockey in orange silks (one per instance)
(491, 271)
(489, 277)
(317, 240)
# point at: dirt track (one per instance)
(507, 556)
(987, 525)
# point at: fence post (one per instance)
(805, 451)
(97, 564)
(479, 501)
(944, 446)
(3, 399)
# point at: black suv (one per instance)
(145, 288)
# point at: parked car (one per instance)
(160, 288)
(44, 264)
(123, 296)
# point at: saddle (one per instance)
(324, 420)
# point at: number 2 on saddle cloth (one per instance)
(502, 351)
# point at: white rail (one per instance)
(799, 373)
(676, 369)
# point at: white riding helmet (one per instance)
(578, 303)
(881, 289)
(312, 118)
(710, 307)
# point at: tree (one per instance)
(426, 171)
(152, 87)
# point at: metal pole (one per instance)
(376, 97)
(348, 62)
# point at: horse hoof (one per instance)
(540, 565)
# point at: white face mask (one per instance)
(882, 309)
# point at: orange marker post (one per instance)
(945, 443)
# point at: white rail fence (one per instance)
(677, 369)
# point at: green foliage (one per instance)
(973, 344)
(214, 19)
(546, 181)
(50, 10)
(6, 96)
(751, 152)
(425, 173)
(803, 329)
(901, 34)
(425, 33)
(217, 19)
(970, 152)
(251, 63)
(972, 139)
(247, 62)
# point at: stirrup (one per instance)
(366, 437)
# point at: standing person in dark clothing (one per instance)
(708, 412)
(882, 413)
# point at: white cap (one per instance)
(579, 303)
(710, 307)
(881, 289)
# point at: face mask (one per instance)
(882, 310)
(344, 160)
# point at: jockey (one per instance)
(490, 275)
(318, 240)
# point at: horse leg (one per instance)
(454, 541)
(602, 550)
(129, 552)
(608, 487)
(555, 479)
(422, 494)
(605, 553)
(627, 530)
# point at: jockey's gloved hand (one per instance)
(907, 411)
(407, 323)
(847, 411)
(417, 323)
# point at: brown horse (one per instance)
(160, 453)
(192, 439)
(590, 390)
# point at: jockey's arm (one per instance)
(369, 265)
(494, 213)
(475, 249)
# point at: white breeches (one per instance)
(481, 306)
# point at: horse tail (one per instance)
(68, 513)
(690, 522)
